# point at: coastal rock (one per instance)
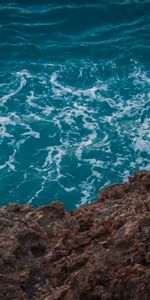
(100, 251)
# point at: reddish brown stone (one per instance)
(100, 251)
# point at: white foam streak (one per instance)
(58, 89)
(22, 76)
(93, 123)
(29, 133)
(142, 146)
(6, 120)
(53, 161)
(84, 144)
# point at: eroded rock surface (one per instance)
(100, 251)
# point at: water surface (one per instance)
(74, 98)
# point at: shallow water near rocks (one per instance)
(74, 98)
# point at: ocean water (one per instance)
(74, 98)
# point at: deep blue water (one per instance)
(74, 97)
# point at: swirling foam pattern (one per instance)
(74, 98)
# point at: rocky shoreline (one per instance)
(100, 251)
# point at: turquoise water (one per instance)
(74, 98)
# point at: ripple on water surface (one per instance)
(74, 98)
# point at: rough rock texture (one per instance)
(100, 251)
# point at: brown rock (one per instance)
(100, 251)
